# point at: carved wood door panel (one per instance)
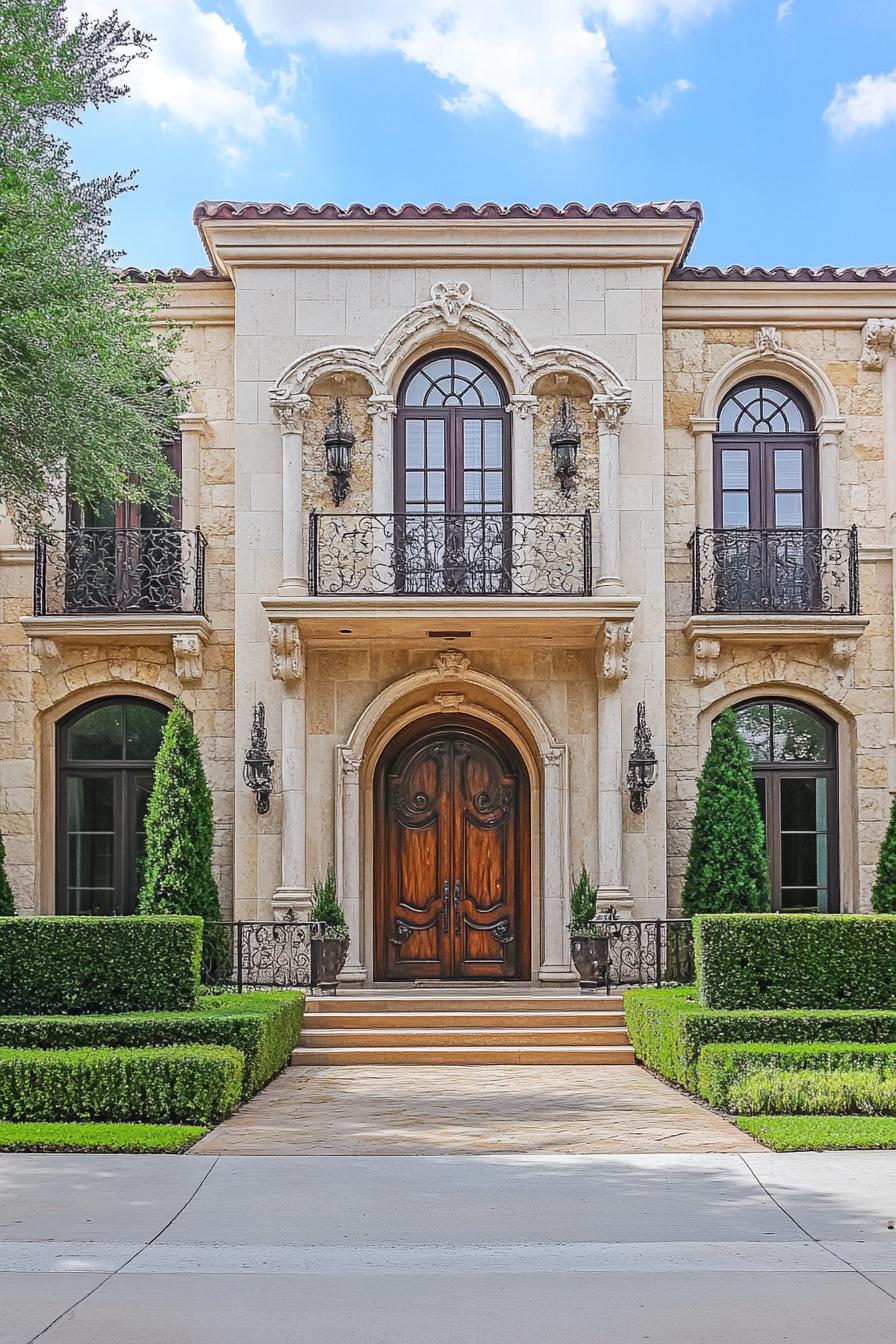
(450, 898)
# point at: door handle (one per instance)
(457, 906)
(446, 906)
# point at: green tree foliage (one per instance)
(883, 893)
(583, 901)
(177, 875)
(325, 906)
(82, 391)
(7, 907)
(727, 866)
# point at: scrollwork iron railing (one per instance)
(250, 954)
(96, 570)
(784, 570)
(644, 951)
(450, 554)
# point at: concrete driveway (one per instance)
(664, 1248)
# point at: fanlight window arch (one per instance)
(454, 379)
(765, 406)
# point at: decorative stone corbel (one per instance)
(187, 650)
(768, 341)
(287, 657)
(451, 299)
(878, 341)
(613, 658)
(706, 660)
(451, 663)
(843, 652)
(45, 649)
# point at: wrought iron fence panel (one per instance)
(251, 954)
(92, 570)
(646, 951)
(785, 570)
(450, 554)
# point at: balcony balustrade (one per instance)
(793, 571)
(450, 555)
(105, 570)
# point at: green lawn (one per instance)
(793, 1133)
(86, 1137)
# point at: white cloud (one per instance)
(199, 74)
(864, 105)
(785, 9)
(547, 61)
(657, 104)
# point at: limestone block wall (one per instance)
(861, 700)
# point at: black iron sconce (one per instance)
(339, 440)
(259, 763)
(565, 441)
(642, 764)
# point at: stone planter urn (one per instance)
(590, 950)
(329, 950)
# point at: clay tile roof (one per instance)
(489, 210)
(798, 274)
(175, 276)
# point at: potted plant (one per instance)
(329, 934)
(589, 942)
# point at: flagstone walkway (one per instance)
(405, 1111)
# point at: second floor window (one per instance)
(766, 461)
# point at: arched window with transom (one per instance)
(766, 460)
(794, 753)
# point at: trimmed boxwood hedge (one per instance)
(264, 1026)
(669, 1027)
(809, 1092)
(93, 964)
(796, 961)
(187, 1084)
(722, 1066)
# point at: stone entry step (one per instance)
(464, 1028)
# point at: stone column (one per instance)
(291, 412)
(192, 430)
(829, 431)
(879, 352)
(523, 408)
(555, 967)
(703, 429)
(609, 411)
(349, 845)
(288, 667)
(612, 669)
(381, 410)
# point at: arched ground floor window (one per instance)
(794, 754)
(105, 755)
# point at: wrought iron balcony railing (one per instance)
(99, 570)
(450, 554)
(795, 571)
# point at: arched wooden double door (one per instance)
(452, 899)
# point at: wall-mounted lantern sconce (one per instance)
(565, 441)
(642, 764)
(339, 440)
(259, 763)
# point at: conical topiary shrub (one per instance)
(582, 901)
(177, 874)
(325, 908)
(7, 906)
(883, 893)
(727, 866)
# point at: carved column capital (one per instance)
(706, 660)
(351, 765)
(609, 410)
(524, 405)
(291, 411)
(381, 407)
(187, 650)
(287, 655)
(613, 656)
(878, 341)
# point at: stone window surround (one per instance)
(451, 316)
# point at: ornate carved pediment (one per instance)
(613, 665)
(451, 299)
(187, 651)
(287, 657)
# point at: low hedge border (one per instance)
(796, 961)
(722, 1066)
(820, 1133)
(87, 1136)
(186, 1084)
(264, 1026)
(94, 964)
(668, 1029)
(812, 1092)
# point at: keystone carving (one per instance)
(451, 663)
(287, 658)
(187, 651)
(617, 643)
(706, 660)
(878, 341)
(768, 341)
(451, 299)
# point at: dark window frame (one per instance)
(761, 448)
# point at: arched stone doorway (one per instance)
(451, 855)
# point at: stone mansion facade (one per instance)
(461, 490)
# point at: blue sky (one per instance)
(779, 117)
